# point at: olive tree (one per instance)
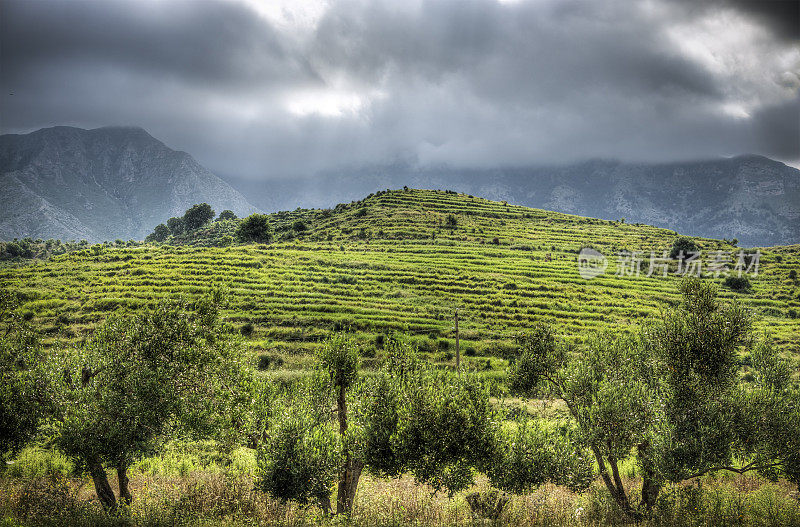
(682, 247)
(159, 234)
(303, 451)
(197, 216)
(299, 454)
(139, 378)
(24, 381)
(438, 426)
(254, 228)
(176, 226)
(226, 215)
(669, 397)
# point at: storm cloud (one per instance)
(271, 90)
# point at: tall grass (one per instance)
(227, 498)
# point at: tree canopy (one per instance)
(669, 396)
(139, 378)
(197, 216)
(254, 228)
(227, 215)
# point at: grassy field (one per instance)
(392, 263)
(399, 261)
(193, 484)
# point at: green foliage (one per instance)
(254, 228)
(737, 283)
(160, 233)
(445, 428)
(767, 419)
(138, 379)
(226, 215)
(300, 454)
(438, 426)
(338, 357)
(683, 247)
(197, 216)
(25, 397)
(176, 226)
(669, 396)
(539, 354)
(29, 249)
(529, 453)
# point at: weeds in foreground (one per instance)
(224, 499)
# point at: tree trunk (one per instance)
(622, 497)
(101, 486)
(651, 482)
(348, 483)
(614, 486)
(650, 490)
(122, 477)
(351, 469)
(325, 504)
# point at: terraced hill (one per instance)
(396, 261)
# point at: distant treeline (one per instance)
(38, 249)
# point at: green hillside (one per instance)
(396, 261)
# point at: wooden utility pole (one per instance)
(458, 347)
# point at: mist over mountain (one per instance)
(100, 184)
(751, 198)
(119, 182)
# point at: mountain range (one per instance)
(100, 184)
(119, 182)
(751, 198)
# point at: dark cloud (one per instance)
(777, 129)
(783, 16)
(216, 44)
(475, 83)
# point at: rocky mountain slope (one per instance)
(100, 184)
(751, 198)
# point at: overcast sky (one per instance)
(269, 89)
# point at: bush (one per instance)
(255, 228)
(197, 216)
(737, 283)
(793, 274)
(300, 456)
(265, 361)
(176, 226)
(226, 215)
(39, 463)
(683, 245)
(247, 329)
(160, 233)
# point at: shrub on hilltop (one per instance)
(254, 228)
